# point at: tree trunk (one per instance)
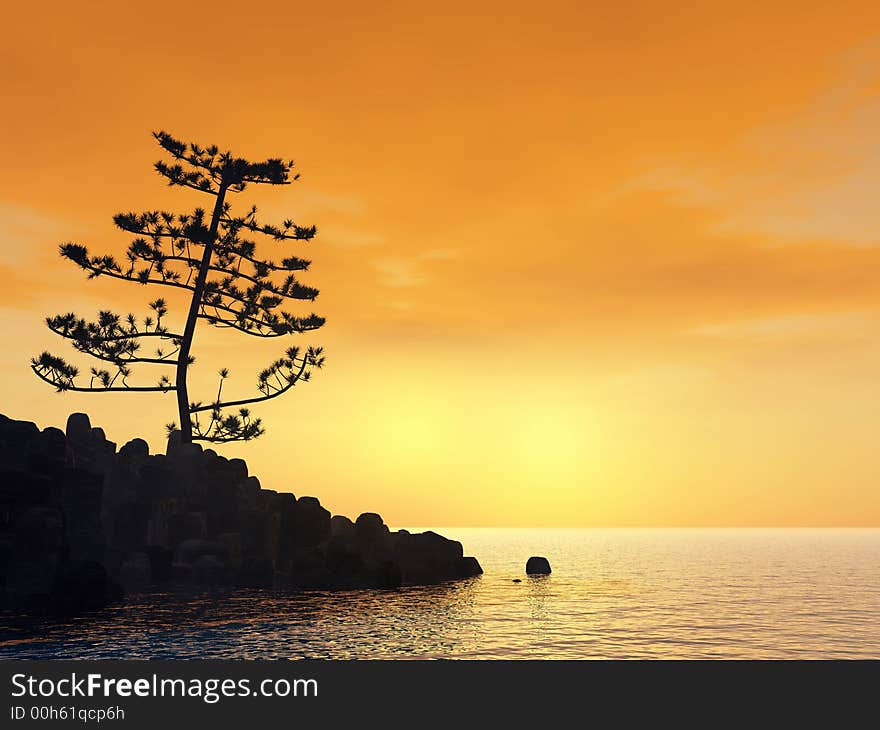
(190, 328)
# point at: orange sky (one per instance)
(582, 263)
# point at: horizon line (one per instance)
(640, 527)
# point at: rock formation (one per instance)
(537, 565)
(82, 523)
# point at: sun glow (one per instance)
(580, 265)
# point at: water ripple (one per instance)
(613, 594)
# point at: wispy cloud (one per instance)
(812, 176)
(849, 323)
(399, 272)
(440, 254)
(25, 233)
(311, 201)
(410, 271)
(346, 236)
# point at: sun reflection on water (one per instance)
(612, 593)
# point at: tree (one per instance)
(213, 257)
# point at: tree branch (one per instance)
(80, 389)
(255, 399)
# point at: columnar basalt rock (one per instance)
(81, 523)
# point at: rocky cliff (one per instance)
(81, 524)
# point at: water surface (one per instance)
(614, 593)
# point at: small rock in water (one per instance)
(517, 580)
(538, 566)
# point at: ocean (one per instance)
(613, 594)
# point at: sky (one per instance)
(583, 264)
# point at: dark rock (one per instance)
(79, 430)
(120, 485)
(19, 439)
(127, 526)
(80, 499)
(469, 567)
(254, 533)
(307, 570)
(21, 433)
(172, 443)
(157, 479)
(160, 562)
(210, 460)
(53, 445)
(35, 548)
(218, 463)
(135, 452)
(187, 526)
(344, 559)
(374, 537)
(221, 504)
(209, 570)
(427, 557)
(231, 543)
(371, 530)
(249, 491)
(343, 528)
(103, 451)
(89, 446)
(76, 517)
(39, 531)
(191, 550)
(189, 451)
(280, 501)
(16, 491)
(385, 574)
(30, 582)
(6, 545)
(82, 586)
(238, 469)
(255, 572)
(537, 565)
(280, 527)
(311, 525)
(136, 573)
(369, 526)
(183, 575)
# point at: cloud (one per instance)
(403, 272)
(399, 272)
(317, 201)
(440, 254)
(26, 233)
(399, 305)
(811, 176)
(346, 236)
(846, 323)
(29, 265)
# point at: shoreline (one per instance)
(82, 524)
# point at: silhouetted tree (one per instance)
(213, 257)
